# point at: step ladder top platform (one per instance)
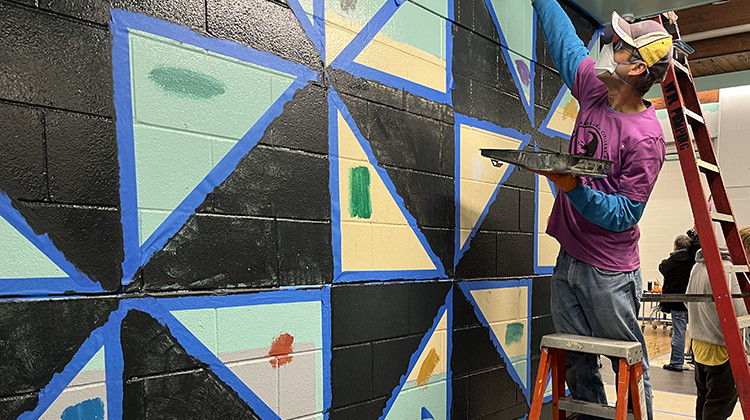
(631, 351)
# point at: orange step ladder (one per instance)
(629, 378)
(684, 110)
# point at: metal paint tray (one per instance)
(550, 162)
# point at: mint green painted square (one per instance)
(309, 8)
(96, 362)
(169, 165)
(409, 402)
(253, 327)
(520, 367)
(438, 7)
(360, 11)
(20, 259)
(202, 323)
(219, 149)
(189, 88)
(415, 26)
(149, 221)
(516, 21)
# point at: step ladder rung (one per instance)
(707, 167)
(681, 67)
(694, 115)
(743, 321)
(732, 269)
(721, 217)
(631, 351)
(593, 409)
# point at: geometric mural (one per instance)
(30, 263)
(562, 115)
(517, 27)
(545, 251)
(275, 349)
(369, 217)
(403, 44)
(86, 395)
(477, 179)
(219, 103)
(210, 90)
(505, 307)
(424, 390)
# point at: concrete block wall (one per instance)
(272, 209)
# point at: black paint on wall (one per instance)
(216, 252)
(263, 25)
(38, 339)
(162, 381)
(482, 385)
(90, 237)
(375, 330)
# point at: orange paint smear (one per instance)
(280, 349)
(428, 366)
(571, 109)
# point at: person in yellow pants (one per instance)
(717, 395)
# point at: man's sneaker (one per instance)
(672, 368)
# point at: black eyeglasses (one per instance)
(618, 44)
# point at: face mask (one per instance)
(606, 63)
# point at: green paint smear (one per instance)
(513, 333)
(186, 83)
(360, 204)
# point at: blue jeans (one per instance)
(589, 301)
(679, 324)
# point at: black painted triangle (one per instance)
(354, 320)
(162, 381)
(265, 26)
(484, 87)
(88, 237)
(235, 239)
(481, 382)
(416, 148)
(39, 338)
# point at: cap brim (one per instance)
(622, 29)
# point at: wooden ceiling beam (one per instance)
(710, 17)
(705, 97)
(714, 47)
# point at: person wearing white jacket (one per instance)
(716, 392)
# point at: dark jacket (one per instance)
(676, 272)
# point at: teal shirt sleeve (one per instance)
(566, 49)
(613, 212)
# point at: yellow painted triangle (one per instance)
(546, 245)
(478, 178)
(380, 239)
(506, 310)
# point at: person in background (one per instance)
(716, 392)
(596, 284)
(676, 272)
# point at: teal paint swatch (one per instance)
(21, 259)
(360, 202)
(186, 83)
(514, 333)
(415, 26)
(92, 409)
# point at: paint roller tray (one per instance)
(550, 162)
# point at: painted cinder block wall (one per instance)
(262, 209)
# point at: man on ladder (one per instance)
(596, 284)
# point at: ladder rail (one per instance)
(680, 94)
